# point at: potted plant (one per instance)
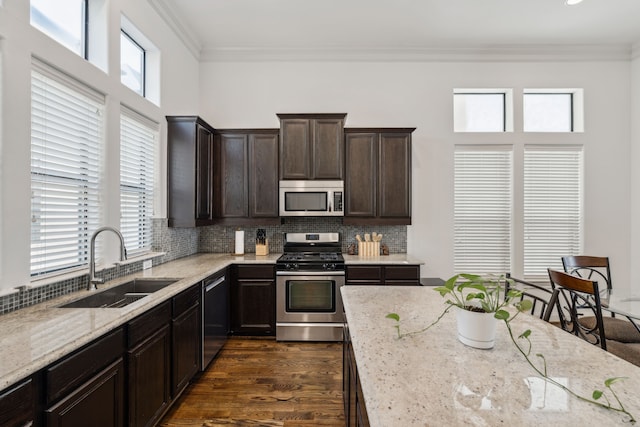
(481, 301)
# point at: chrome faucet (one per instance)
(93, 280)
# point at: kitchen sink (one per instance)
(121, 295)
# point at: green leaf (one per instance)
(610, 381)
(450, 283)
(524, 305)
(442, 290)
(393, 316)
(597, 394)
(525, 334)
(502, 315)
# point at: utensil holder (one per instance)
(368, 249)
(262, 249)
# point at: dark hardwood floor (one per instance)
(261, 382)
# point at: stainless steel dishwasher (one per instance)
(215, 316)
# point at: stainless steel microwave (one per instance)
(311, 198)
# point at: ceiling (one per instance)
(271, 28)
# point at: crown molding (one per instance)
(172, 17)
(509, 53)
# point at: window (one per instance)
(66, 144)
(549, 110)
(132, 64)
(138, 136)
(482, 211)
(62, 20)
(482, 110)
(552, 207)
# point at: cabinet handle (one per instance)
(214, 284)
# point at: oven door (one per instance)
(309, 296)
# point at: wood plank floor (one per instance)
(261, 382)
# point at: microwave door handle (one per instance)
(329, 206)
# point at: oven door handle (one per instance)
(309, 273)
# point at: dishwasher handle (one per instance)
(215, 283)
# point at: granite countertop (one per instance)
(433, 379)
(34, 337)
(401, 259)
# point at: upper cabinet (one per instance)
(189, 171)
(378, 176)
(312, 146)
(246, 176)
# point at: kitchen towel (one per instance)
(239, 242)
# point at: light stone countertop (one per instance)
(34, 337)
(400, 259)
(431, 379)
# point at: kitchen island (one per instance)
(431, 379)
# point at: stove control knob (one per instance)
(292, 266)
(329, 266)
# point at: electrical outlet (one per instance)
(147, 264)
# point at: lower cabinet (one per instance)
(185, 338)
(87, 385)
(355, 411)
(404, 275)
(253, 310)
(18, 404)
(149, 366)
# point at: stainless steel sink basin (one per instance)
(121, 295)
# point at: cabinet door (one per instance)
(295, 149)
(149, 373)
(186, 348)
(263, 166)
(98, 402)
(254, 307)
(204, 173)
(361, 154)
(234, 199)
(17, 405)
(328, 148)
(394, 176)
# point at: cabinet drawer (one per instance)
(66, 375)
(17, 406)
(144, 325)
(402, 272)
(185, 300)
(256, 271)
(365, 272)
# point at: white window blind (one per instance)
(138, 137)
(483, 209)
(552, 207)
(66, 145)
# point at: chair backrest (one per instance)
(594, 268)
(543, 300)
(577, 296)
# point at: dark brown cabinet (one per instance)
(378, 176)
(253, 300)
(312, 146)
(149, 366)
(402, 275)
(189, 171)
(18, 404)
(185, 338)
(88, 385)
(355, 411)
(246, 176)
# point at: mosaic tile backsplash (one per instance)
(180, 242)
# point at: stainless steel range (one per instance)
(309, 276)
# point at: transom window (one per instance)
(64, 21)
(552, 110)
(132, 64)
(482, 110)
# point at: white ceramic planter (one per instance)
(476, 329)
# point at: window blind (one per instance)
(552, 208)
(66, 145)
(138, 136)
(483, 209)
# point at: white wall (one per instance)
(635, 170)
(419, 94)
(19, 42)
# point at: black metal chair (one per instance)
(543, 299)
(598, 269)
(577, 295)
